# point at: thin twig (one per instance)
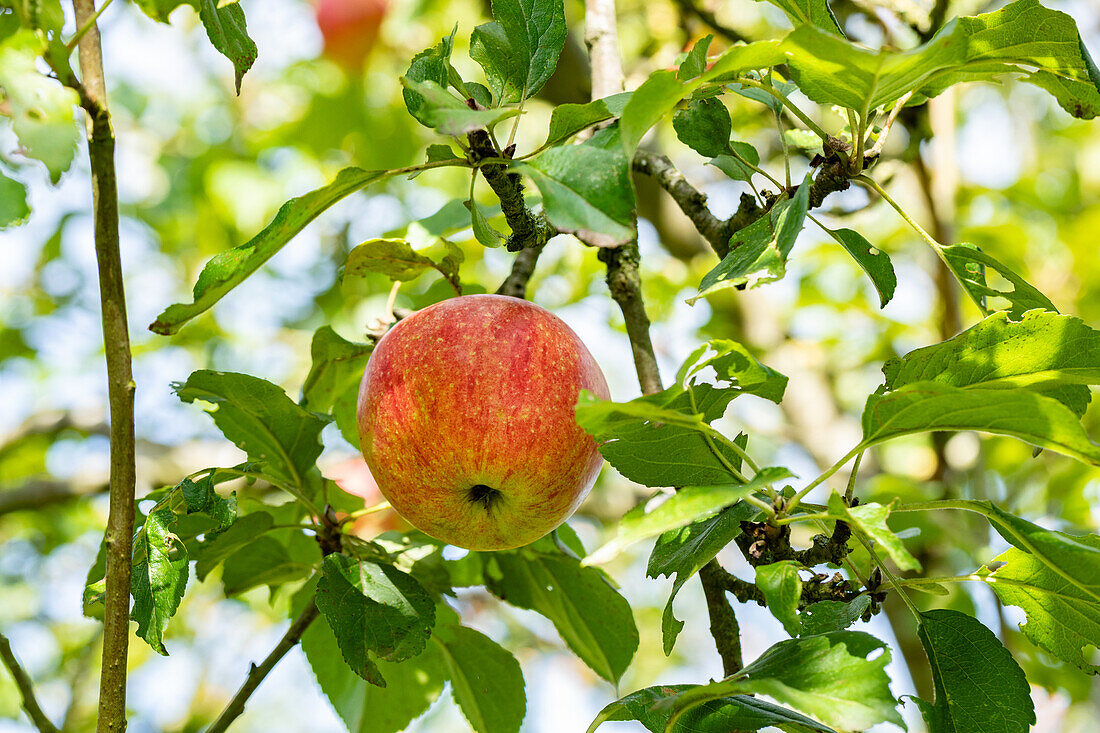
(876, 149)
(257, 674)
(26, 688)
(120, 382)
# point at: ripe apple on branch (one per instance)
(466, 420)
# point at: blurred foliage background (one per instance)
(201, 170)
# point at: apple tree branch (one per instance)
(26, 688)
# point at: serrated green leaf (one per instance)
(227, 31)
(212, 551)
(695, 60)
(875, 262)
(870, 519)
(1062, 616)
(968, 263)
(782, 588)
(758, 252)
(159, 577)
(704, 126)
(735, 368)
(652, 708)
(40, 108)
(200, 497)
(824, 617)
(271, 560)
(519, 50)
(586, 190)
(688, 505)
(813, 12)
(448, 115)
(374, 611)
(978, 684)
(230, 268)
(827, 676)
(682, 552)
(927, 406)
(568, 119)
(486, 680)
(334, 377)
(594, 620)
(432, 64)
(1023, 37)
(411, 686)
(261, 420)
(1043, 351)
(738, 166)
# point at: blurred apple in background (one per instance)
(350, 29)
(354, 477)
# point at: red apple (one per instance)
(350, 29)
(466, 419)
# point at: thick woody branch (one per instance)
(257, 674)
(601, 36)
(624, 280)
(120, 382)
(528, 230)
(26, 688)
(523, 267)
(724, 628)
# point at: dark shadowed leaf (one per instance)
(978, 684)
(374, 611)
(486, 680)
(874, 262)
(704, 126)
(826, 616)
(226, 29)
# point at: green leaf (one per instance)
(159, 10)
(758, 252)
(683, 551)
(827, 616)
(870, 520)
(827, 676)
(652, 708)
(735, 368)
(968, 263)
(978, 684)
(568, 119)
(519, 50)
(159, 577)
(688, 505)
(213, 550)
(483, 233)
(432, 64)
(397, 260)
(334, 377)
(226, 29)
(734, 165)
(40, 108)
(928, 406)
(486, 680)
(592, 618)
(704, 126)
(782, 588)
(662, 91)
(374, 610)
(261, 420)
(14, 209)
(1043, 352)
(230, 268)
(411, 686)
(200, 497)
(1016, 39)
(1062, 603)
(271, 560)
(873, 260)
(586, 191)
(447, 115)
(695, 60)
(813, 12)
(437, 153)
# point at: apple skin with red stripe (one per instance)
(466, 419)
